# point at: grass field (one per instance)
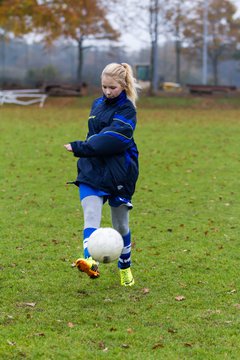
(185, 225)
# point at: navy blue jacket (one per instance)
(108, 158)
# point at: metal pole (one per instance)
(155, 49)
(205, 42)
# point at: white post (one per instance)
(205, 42)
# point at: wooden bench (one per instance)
(210, 89)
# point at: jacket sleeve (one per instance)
(112, 140)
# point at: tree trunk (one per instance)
(154, 67)
(215, 70)
(154, 10)
(80, 61)
(178, 61)
(178, 46)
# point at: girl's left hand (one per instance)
(68, 147)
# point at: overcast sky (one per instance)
(237, 3)
(134, 42)
(131, 42)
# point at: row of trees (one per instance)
(86, 21)
(193, 24)
(33, 64)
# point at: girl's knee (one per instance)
(123, 229)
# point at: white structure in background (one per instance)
(22, 97)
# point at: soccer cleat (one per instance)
(89, 266)
(126, 277)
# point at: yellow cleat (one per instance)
(89, 266)
(126, 277)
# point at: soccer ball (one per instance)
(105, 245)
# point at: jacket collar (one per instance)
(120, 99)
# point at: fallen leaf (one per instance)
(11, 343)
(30, 304)
(145, 291)
(237, 306)
(183, 285)
(55, 241)
(233, 291)
(70, 325)
(101, 345)
(172, 331)
(130, 331)
(125, 346)
(113, 329)
(187, 344)
(180, 298)
(157, 345)
(107, 300)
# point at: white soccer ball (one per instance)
(105, 245)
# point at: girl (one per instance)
(108, 164)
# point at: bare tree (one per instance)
(153, 27)
(142, 19)
(223, 32)
(177, 15)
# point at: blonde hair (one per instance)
(123, 74)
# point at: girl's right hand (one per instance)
(68, 147)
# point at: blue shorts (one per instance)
(114, 201)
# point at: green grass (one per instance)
(185, 226)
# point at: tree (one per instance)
(223, 32)
(141, 18)
(78, 20)
(21, 17)
(159, 18)
(177, 15)
(153, 12)
(153, 27)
